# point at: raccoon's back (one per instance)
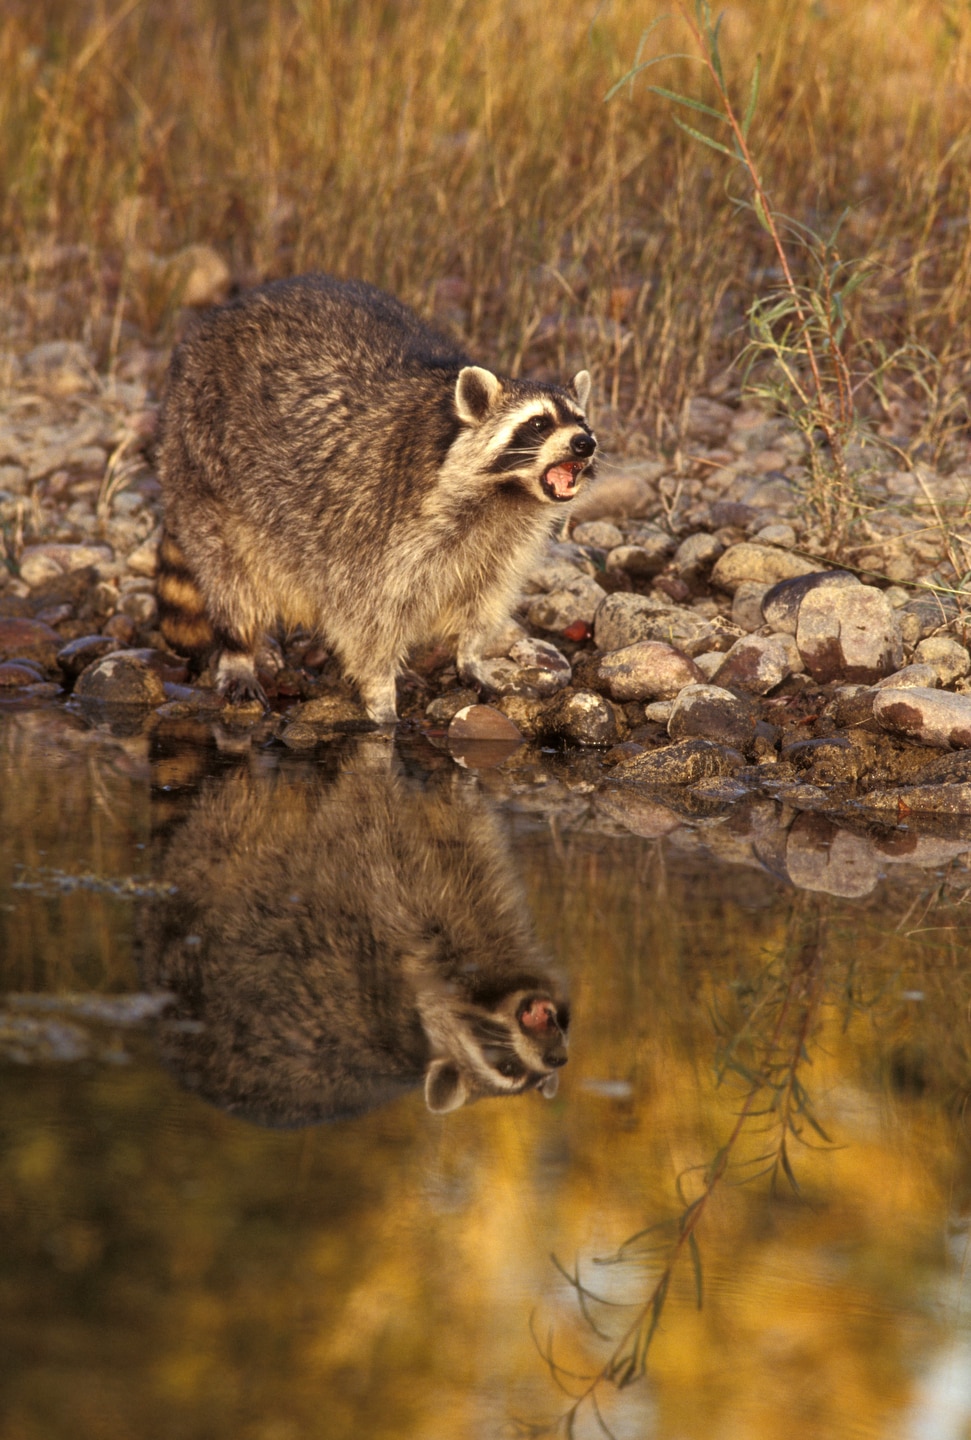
(294, 393)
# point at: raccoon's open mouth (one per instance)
(537, 1015)
(560, 481)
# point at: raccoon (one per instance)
(336, 942)
(328, 460)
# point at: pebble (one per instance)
(848, 632)
(713, 712)
(697, 553)
(781, 602)
(934, 717)
(481, 722)
(947, 658)
(78, 654)
(23, 639)
(558, 610)
(647, 670)
(758, 663)
(749, 561)
(924, 676)
(643, 560)
(582, 717)
(16, 673)
(747, 605)
(599, 533)
(121, 678)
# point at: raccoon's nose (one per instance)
(583, 445)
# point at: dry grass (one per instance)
(460, 153)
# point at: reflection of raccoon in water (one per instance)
(327, 460)
(333, 945)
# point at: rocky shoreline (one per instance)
(683, 632)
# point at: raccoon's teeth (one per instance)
(561, 480)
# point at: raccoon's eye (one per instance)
(510, 1070)
(542, 424)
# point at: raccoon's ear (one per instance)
(581, 387)
(476, 391)
(445, 1087)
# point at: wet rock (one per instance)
(648, 670)
(780, 604)
(749, 561)
(852, 705)
(558, 610)
(78, 654)
(482, 722)
(685, 763)
(935, 717)
(848, 632)
(747, 605)
(949, 659)
(903, 800)
(830, 759)
(716, 714)
(758, 663)
(121, 678)
(23, 639)
(583, 717)
(543, 666)
(924, 676)
(327, 712)
(528, 715)
(821, 856)
(599, 533)
(444, 709)
(14, 674)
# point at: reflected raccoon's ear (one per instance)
(550, 1085)
(581, 387)
(476, 391)
(445, 1087)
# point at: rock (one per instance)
(708, 421)
(141, 607)
(562, 608)
(782, 535)
(780, 604)
(482, 722)
(599, 533)
(39, 563)
(78, 654)
(747, 605)
(709, 662)
(143, 560)
(120, 679)
(22, 639)
(528, 715)
(848, 632)
(502, 641)
(765, 563)
(618, 495)
(583, 717)
(543, 667)
(624, 619)
(659, 712)
(552, 574)
(923, 616)
(16, 673)
(444, 709)
(715, 713)
(646, 558)
(758, 663)
(697, 553)
(327, 712)
(62, 367)
(648, 670)
(821, 856)
(946, 799)
(935, 717)
(682, 764)
(830, 759)
(947, 658)
(924, 676)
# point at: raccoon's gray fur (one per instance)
(332, 945)
(329, 461)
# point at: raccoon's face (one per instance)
(534, 436)
(517, 1045)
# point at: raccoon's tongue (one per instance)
(539, 1015)
(562, 480)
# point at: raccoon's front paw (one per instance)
(236, 681)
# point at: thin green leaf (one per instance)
(644, 65)
(760, 213)
(753, 96)
(691, 104)
(705, 139)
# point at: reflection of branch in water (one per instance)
(775, 1100)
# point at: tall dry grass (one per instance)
(460, 153)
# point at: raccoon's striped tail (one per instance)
(181, 606)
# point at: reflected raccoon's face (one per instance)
(519, 1044)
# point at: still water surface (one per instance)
(762, 1125)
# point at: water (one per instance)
(767, 1083)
